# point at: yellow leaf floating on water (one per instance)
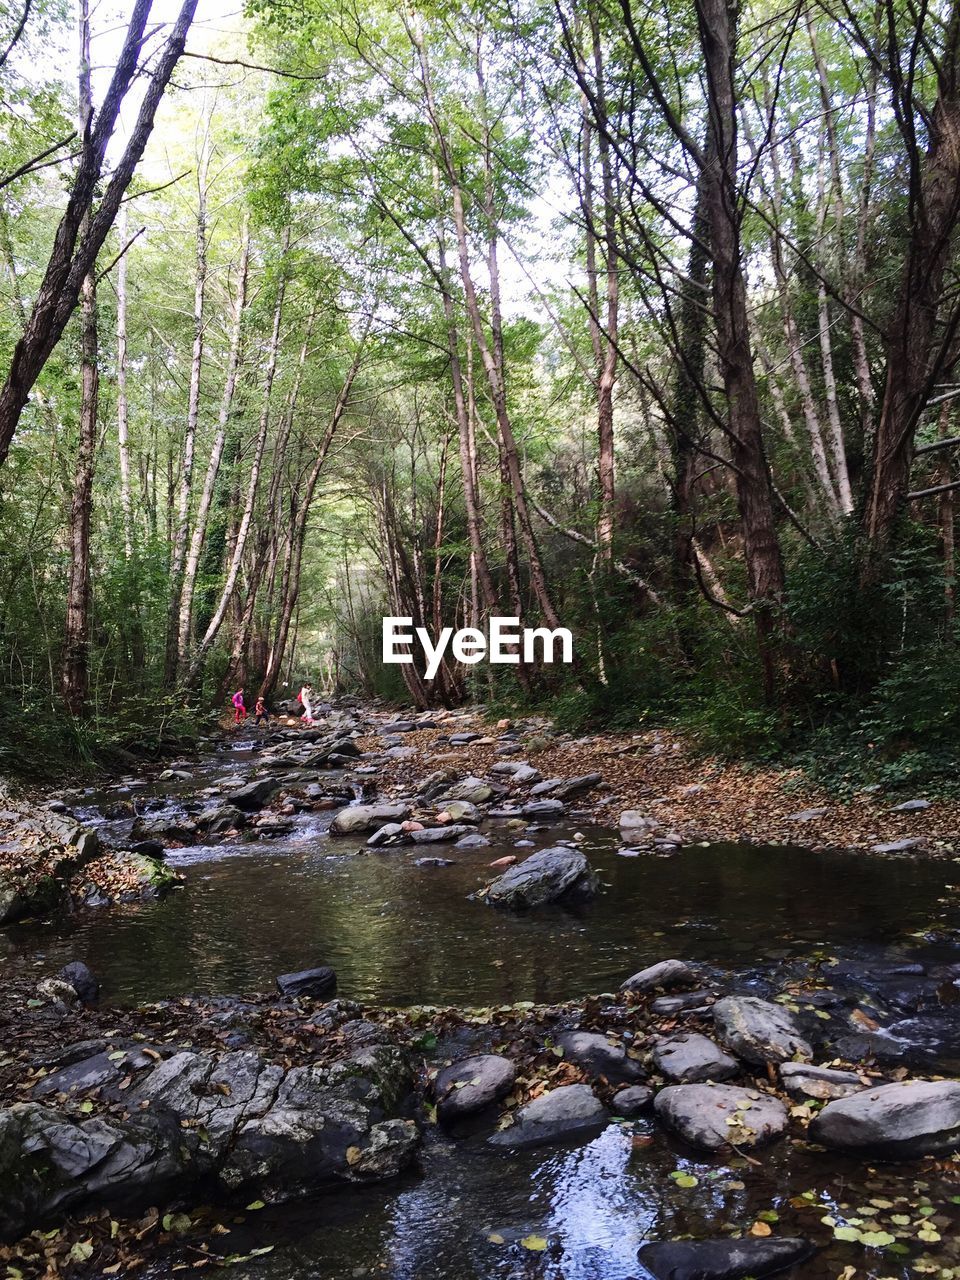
(536, 1244)
(496, 1238)
(761, 1229)
(353, 1154)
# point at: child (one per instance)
(262, 715)
(239, 710)
(306, 694)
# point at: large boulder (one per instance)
(318, 984)
(552, 875)
(472, 1084)
(895, 1121)
(254, 795)
(367, 817)
(722, 1259)
(599, 1056)
(666, 975)
(758, 1031)
(692, 1059)
(571, 1113)
(708, 1116)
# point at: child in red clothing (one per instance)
(239, 710)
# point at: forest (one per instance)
(643, 323)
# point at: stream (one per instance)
(397, 933)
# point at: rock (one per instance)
(526, 775)
(723, 1259)
(439, 835)
(472, 841)
(897, 846)
(807, 815)
(896, 1121)
(399, 726)
(473, 790)
(691, 1059)
(463, 811)
(389, 834)
(218, 818)
(599, 1056)
(86, 843)
(698, 1113)
(433, 862)
(80, 1077)
(801, 1080)
(367, 817)
(577, 786)
(58, 993)
(318, 984)
(572, 1112)
(150, 849)
(546, 787)
(633, 824)
(171, 826)
(631, 1101)
(665, 976)
(468, 1086)
(254, 795)
(552, 875)
(758, 1031)
(678, 1004)
(543, 809)
(82, 980)
(911, 806)
(462, 739)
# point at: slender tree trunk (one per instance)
(185, 628)
(754, 496)
(123, 424)
(76, 648)
(182, 527)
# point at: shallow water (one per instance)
(401, 934)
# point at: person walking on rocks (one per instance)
(306, 701)
(260, 712)
(239, 709)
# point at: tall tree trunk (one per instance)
(185, 628)
(182, 527)
(717, 24)
(123, 422)
(914, 350)
(76, 647)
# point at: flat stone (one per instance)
(391, 833)
(897, 846)
(633, 823)
(543, 809)
(801, 1080)
(895, 1121)
(472, 1084)
(665, 1005)
(254, 795)
(472, 841)
(600, 1057)
(664, 975)
(693, 1058)
(758, 1031)
(577, 786)
(911, 806)
(440, 835)
(463, 811)
(807, 815)
(699, 1113)
(723, 1259)
(571, 1113)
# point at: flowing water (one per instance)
(399, 933)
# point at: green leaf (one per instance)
(850, 1234)
(256, 1204)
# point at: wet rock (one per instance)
(149, 849)
(472, 841)
(463, 811)
(571, 1113)
(867, 1046)
(543, 809)
(895, 1122)
(472, 1084)
(691, 1059)
(552, 875)
(391, 833)
(664, 976)
(318, 983)
(577, 786)
(254, 795)
(801, 1080)
(50, 1163)
(367, 817)
(86, 843)
(600, 1057)
(708, 1116)
(169, 826)
(758, 1031)
(722, 1259)
(433, 862)
(82, 980)
(219, 818)
(666, 1005)
(631, 1101)
(440, 835)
